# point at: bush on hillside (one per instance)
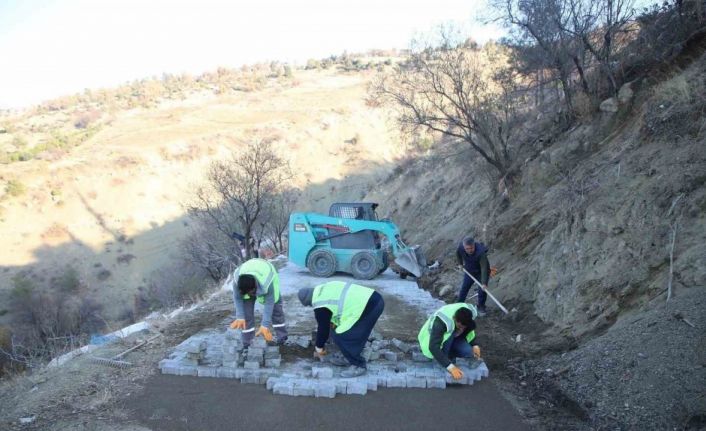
(15, 188)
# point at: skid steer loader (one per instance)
(350, 239)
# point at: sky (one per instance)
(50, 48)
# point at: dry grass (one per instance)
(677, 107)
(55, 231)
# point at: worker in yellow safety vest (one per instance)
(351, 311)
(257, 279)
(448, 334)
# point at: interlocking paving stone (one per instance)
(213, 354)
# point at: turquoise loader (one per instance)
(350, 239)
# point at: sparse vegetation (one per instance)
(15, 188)
(46, 322)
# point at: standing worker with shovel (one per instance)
(472, 256)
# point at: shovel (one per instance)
(486, 291)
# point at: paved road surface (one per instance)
(191, 403)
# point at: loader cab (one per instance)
(358, 211)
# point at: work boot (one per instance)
(337, 360)
(353, 371)
(481, 311)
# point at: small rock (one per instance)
(28, 420)
(609, 105)
(625, 93)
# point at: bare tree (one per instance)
(278, 213)
(238, 191)
(459, 92)
(538, 26)
(208, 248)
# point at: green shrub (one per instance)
(15, 188)
(69, 282)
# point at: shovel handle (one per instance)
(486, 291)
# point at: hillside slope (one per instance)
(583, 245)
(112, 208)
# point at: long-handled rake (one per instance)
(115, 360)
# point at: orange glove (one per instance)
(266, 334)
(238, 324)
(476, 352)
(456, 372)
(493, 271)
(319, 353)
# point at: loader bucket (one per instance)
(413, 260)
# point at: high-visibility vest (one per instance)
(446, 314)
(265, 274)
(345, 300)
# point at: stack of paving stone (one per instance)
(195, 353)
(213, 354)
(233, 349)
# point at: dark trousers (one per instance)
(457, 347)
(466, 286)
(353, 340)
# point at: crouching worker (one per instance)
(448, 334)
(257, 279)
(352, 311)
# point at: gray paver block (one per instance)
(258, 342)
(303, 389)
(322, 372)
(366, 353)
(325, 390)
(251, 365)
(195, 346)
(273, 363)
(255, 351)
(303, 342)
(283, 388)
(189, 362)
(374, 356)
(233, 350)
(230, 364)
(401, 345)
(436, 382)
(419, 357)
(254, 378)
(272, 355)
(225, 372)
(271, 382)
(206, 371)
(356, 387)
(372, 382)
(462, 381)
(416, 382)
(396, 381)
(341, 386)
(391, 356)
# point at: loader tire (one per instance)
(321, 263)
(385, 263)
(364, 266)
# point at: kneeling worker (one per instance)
(258, 279)
(448, 334)
(352, 310)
